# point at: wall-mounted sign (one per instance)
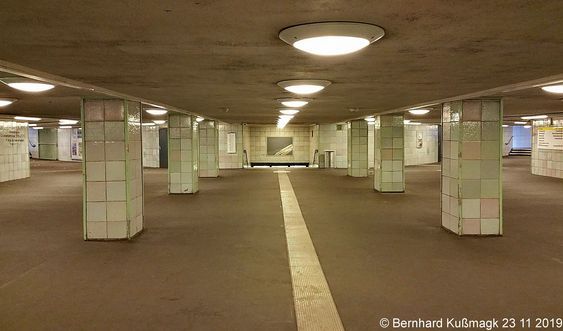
(550, 138)
(231, 143)
(419, 140)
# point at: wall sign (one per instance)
(419, 139)
(231, 143)
(550, 138)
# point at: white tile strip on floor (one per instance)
(314, 305)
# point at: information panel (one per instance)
(550, 138)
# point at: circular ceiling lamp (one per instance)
(293, 103)
(199, 119)
(289, 111)
(159, 122)
(558, 89)
(26, 84)
(419, 111)
(304, 86)
(7, 101)
(331, 38)
(156, 111)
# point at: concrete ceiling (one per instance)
(209, 56)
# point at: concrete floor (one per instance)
(217, 260)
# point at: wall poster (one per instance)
(231, 143)
(419, 137)
(279, 146)
(550, 137)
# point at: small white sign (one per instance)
(231, 143)
(550, 138)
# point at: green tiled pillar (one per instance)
(357, 148)
(208, 149)
(183, 154)
(113, 173)
(471, 167)
(47, 139)
(389, 153)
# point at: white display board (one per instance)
(550, 138)
(232, 143)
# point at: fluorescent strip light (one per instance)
(534, 117)
(65, 127)
(37, 127)
(370, 119)
(520, 123)
(25, 118)
(71, 122)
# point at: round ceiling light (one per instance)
(558, 89)
(156, 112)
(304, 86)
(289, 111)
(420, 111)
(331, 38)
(293, 103)
(6, 101)
(159, 122)
(199, 119)
(26, 85)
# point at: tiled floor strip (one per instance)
(314, 306)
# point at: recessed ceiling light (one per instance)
(553, 89)
(505, 125)
(414, 123)
(293, 103)
(419, 111)
(65, 127)
(66, 122)
(199, 119)
(520, 123)
(37, 127)
(527, 126)
(156, 112)
(26, 85)
(331, 38)
(6, 101)
(289, 111)
(159, 122)
(286, 117)
(32, 124)
(534, 117)
(370, 119)
(304, 87)
(406, 121)
(25, 118)
(148, 124)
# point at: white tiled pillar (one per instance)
(208, 149)
(389, 153)
(183, 154)
(358, 148)
(471, 167)
(14, 151)
(113, 175)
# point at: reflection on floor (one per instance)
(218, 259)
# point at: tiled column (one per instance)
(471, 167)
(113, 175)
(358, 148)
(389, 153)
(208, 149)
(183, 154)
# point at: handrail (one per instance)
(509, 140)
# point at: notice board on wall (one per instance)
(231, 143)
(550, 137)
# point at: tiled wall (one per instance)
(389, 153)
(331, 138)
(151, 147)
(471, 167)
(314, 144)
(113, 178)
(508, 140)
(259, 133)
(246, 145)
(47, 141)
(230, 160)
(357, 148)
(183, 150)
(14, 152)
(546, 162)
(208, 149)
(63, 144)
(371, 139)
(428, 153)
